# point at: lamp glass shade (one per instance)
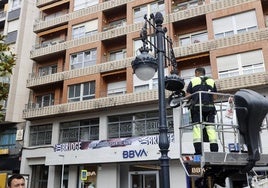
(145, 72)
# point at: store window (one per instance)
(40, 135)
(83, 59)
(7, 138)
(75, 131)
(140, 11)
(88, 175)
(81, 92)
(240, 64)
(85, 29)
(138, 124)
(235, 24)
(39, 177)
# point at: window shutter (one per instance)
(251, 58)
(223, 24)
(227, 63)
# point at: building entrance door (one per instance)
(144, 179)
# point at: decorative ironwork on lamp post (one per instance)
(145, 65)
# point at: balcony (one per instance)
(187, 5)
(204, 9)
(34, 81)
(151, 96)
(39, 51)
(243, 81)
(238, 39)
(57, 21)
(43, 80)
(195, 48)
(42, 25)
(40, 3)
(93, 104)
(46, 49)
(116, 24)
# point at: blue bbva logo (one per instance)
(134, 153)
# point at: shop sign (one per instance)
(134, 153)
(195, 170)
(4, 151)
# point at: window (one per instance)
(117, 88)
(235, 24)
(188, 74)
(11, 37)
(139, 124)
(80, 4)
(39, 176)
(118, 55)
(84, 130)
(15, 4)
(85, 29)
(40, 135)
(45, 100)
(43, 71)
(81, 92)
(8, 138)
(84, 59)
(240, 64)
(139, 12)
(193, 38)
(140, 85)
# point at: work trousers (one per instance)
(208, 115)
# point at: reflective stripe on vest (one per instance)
(197, 81)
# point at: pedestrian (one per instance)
(203, 83)
(16, 181)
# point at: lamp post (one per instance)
(145, 66)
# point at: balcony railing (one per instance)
(204, 9)
(187, 5)
(151, 96)
(136, 27)
(113, 25)
(106, 102)
(42, 80)
(40, 25)
(179, 51)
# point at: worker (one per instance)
(203, 83)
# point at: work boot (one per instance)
(198, 148)
(214, 147)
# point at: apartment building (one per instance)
(90, 120)
(15, 27)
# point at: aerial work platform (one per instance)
(239, 149)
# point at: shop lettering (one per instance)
(93, 173)
(196, 170)
(134, 153)
(73, 146)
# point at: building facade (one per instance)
(90, 120)
(15, 27)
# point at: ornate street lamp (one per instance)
(145, 66)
